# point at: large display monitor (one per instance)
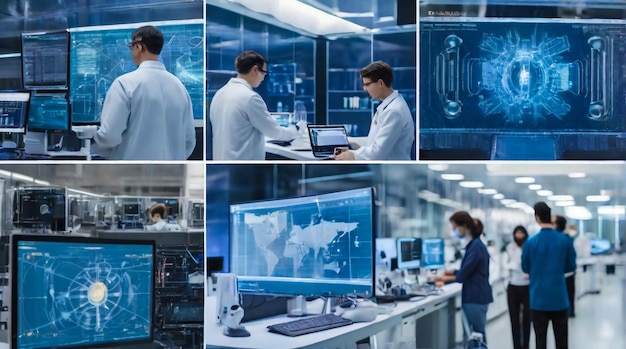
(77, 292)
(433, 254)
(98, 55)
(49, 112)
(45, 60)
(409, 253)
(313, 245)
(13, 110)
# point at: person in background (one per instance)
(570, 278)
(239, 116)
(546, 257)
(158, 215)
(473, 274)
(392, 131)
(517, 290)
(147, 114)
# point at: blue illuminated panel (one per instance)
(98, 57)
(433, 254)
(13, 106)
(523, 76)
(83, 293)
(309, 246)
(48, 113)
(44, 60)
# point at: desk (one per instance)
(402, 325)
(295, 150)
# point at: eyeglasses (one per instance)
(133, 43)
(366, 84)
(261, 70)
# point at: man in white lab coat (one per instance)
(147, 113)
(239, 116)
(392, 131)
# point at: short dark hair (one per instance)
(463, 219)
(248, 59)
(150, 37)
(543, 212)
(560, 223)
(378, 70)
(159, 209)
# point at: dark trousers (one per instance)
(570, 281)
(541, 320)
(519, 304)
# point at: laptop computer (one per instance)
(325, 138)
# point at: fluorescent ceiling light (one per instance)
(5, 173)
(452, 177)
(578, 212)
(438, 167)
(22, 177)
(598, 198)
(544, 193)
(38, 181)
(506, 202)
(577, 175)
(524, 180)
(303, 16)
(534, 186)
(617, 210)
(564, 203)
(471, 184)
(498, 196)
(487, 191)
(520, 205)
(560, 198)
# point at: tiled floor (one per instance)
(600, 321)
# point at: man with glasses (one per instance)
(239, 116)
(392, 131)
(147, 113)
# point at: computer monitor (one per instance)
(409, 253)
(40, 209)
(385, 251)
(433, 254)
(131, 209)
(313, 245)
(49, 112)
(78, 292)
(13, 110)
(45, 60)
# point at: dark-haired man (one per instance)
(392, 131)
(546, 257)
(147, 113)
(239, 116)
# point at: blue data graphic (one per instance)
(503, 75)
(82, 294)
(48, 113)
(13, 106)
(98, 57)
(433, 253)
(309, 245)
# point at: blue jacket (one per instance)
(546, 257)
(474, 274)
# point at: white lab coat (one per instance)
(162, 225)
(147, 115)
(241, 121)
(392, 134)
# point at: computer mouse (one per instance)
(358, 311)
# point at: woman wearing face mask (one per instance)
(517, 291)
(473, 274)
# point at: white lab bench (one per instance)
(427, 323)
(300, 148)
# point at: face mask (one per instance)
(457, 234)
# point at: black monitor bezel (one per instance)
(374, 235)
(26, 112)
(50, 130)
(67, 68)
(15, 238)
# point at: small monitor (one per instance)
(433, 254)
(131, 209)
(385, 251)
(49, 112)
(78, 292)
(409, 253)
(13, 111)
(45, 62)
(312, 246)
